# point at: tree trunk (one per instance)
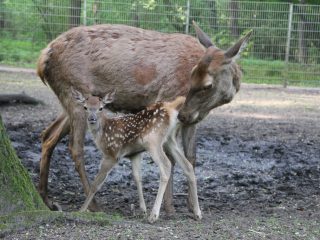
(95, 9)
(234, 15)
(302, 38)
(172, 16)
(135, 15)
(2, 14)
(45, 12)
(75, 13)
(213, 14)
(17, 190)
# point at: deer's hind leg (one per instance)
(50, 137)
(78, 127)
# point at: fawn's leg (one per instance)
(188, 134)
(77, 136)
(105, 167)
(136, 162)
(160, 158)
(50, 137)
(188, 170)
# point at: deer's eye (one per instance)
(100, 109)
(207, 87)
(85, 107)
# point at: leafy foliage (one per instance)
(28, 25)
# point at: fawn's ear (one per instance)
(109, 97)
(77, 95)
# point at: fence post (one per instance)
(84, 12)
(285, 82)
(187, 17)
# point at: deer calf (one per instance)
(152, 130)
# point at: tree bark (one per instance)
(17, 190)
(95, 9)
(171, 15)
(45, 13)
(234, 15)
(135, 15)
(213, 14)
(2, 15)
(303, 54)
(75, 13)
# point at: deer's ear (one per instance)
(109, 97)
(77, 95)
(237, 48)
(202, 36)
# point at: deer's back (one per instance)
(143, 66)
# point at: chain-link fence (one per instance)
(284, 49)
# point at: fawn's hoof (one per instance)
(197, 216)
(153, 217)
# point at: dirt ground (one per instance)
(258, 170)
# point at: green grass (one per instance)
(31, 219)
(277, 72)
(19, 53)
(25, 54)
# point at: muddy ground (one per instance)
(258, 170)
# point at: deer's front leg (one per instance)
(136, 160)
(168, 194)
(105, 167)
(77, 136)
(188, 134)
(188, 170)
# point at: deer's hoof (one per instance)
(56, 207)
(169, 209)
(197, 216)
(94, 206)
(83, 209)
(153, 217)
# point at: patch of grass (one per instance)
(277, 72)
(30, 219)
(19, 53)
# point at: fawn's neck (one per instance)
(95, 129)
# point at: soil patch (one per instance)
(258, 169)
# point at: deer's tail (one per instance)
(42, 64)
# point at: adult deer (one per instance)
(145, 67)
(153, 129)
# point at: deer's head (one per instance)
(93, 105)
(214, 80)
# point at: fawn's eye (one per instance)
(85, 107)
(100, 109)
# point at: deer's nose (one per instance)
(181, 117)
(92, 119)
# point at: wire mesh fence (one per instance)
(284, 49)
